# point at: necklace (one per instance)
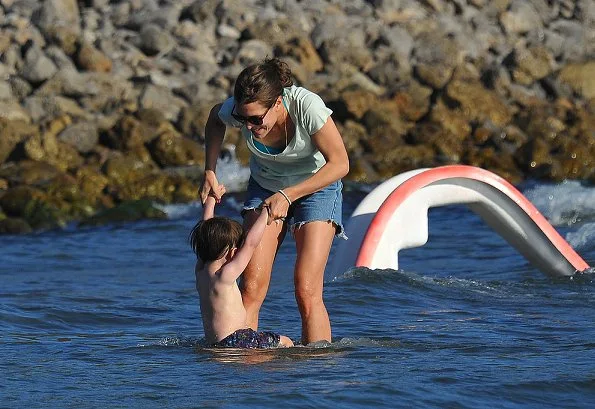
(274, 155)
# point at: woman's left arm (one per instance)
(329, 142)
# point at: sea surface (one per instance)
(108, 318)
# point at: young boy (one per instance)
(223, 254)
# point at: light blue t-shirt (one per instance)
(300, 159)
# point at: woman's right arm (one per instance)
(214, 133)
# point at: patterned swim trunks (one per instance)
(248, 338)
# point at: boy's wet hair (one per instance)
(211, 239)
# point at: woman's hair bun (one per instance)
(282, 69)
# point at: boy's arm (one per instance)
(232, 270)
(208, 209)
(209, 205)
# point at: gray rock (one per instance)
(13, 111)
(225, 30)
(488, 36)
(59, 57)
(120, 14)
(97, 4)
(398, 39)
(69, 82)
(242, 15)
(91, 21)
(391, 71)
(569, 41)
(164, 17)
(190, 34)
(23, 8)
(586, 12)
(521, 18)
(359, 8)
(61, 13)
(45, 107)
(253, 51)
(341, 39)
(7, 4)
(5, 90)
(37, 66)
(201, 11)
(154, 40)
(83, 136)
(543, 9)
(163, 100)
(20, 88)
(12, 59)
(398, 11)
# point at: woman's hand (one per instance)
(278, 207)
(210, 186)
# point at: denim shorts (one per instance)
(324, 205)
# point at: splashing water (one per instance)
(566, 203)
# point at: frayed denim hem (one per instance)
(340, 234)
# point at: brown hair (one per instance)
(211, 239)
(263, 82)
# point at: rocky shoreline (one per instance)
(103, 102)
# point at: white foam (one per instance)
(181, 210)
(582, 237)
(565, 203)
(231, 173)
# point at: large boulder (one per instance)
(161, 99)
(125, 169)
(127, 133)
(125, 212)
(28, 172)
(90, 58)
(12, 111)
(34, 206)
(14, 225)
(158, 187)
(580, 78)
(37, 67)
(172, 150)
(478, 103)
(58, 13)
(12, 133)
(82, 135)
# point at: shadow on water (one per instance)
(320, 350)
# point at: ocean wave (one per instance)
(401, 281)
(583, 237)
(566, 203)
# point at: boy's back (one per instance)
(220, 303)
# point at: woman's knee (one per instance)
(307, 296)
(253, 291)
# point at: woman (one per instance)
(297, 162)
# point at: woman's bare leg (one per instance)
(255, 280)
(313, 241)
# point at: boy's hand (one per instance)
(265, 208)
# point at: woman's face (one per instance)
(259, 119)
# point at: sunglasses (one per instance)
(254, 119)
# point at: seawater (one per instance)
(109, 317)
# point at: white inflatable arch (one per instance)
(394, 216)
